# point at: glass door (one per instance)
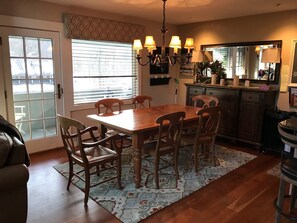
(33, 89)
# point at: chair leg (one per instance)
(280, 199)
(119, 171)
(176, 165)
(70, 173)
(196, 148)
(213, 152)
(97, 170)
(157, 159)
(87, 185)
(293, 198)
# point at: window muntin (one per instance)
(103, 69)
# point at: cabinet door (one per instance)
(250, 116)
(193, 91)
(228, 99)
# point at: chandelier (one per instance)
(163, 59)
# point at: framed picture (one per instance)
(157, 70)
(187, 69)
(294, 64)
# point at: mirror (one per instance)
(244, 60)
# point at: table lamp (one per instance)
(270, 55)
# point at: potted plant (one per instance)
(218, 69)
(200, 71)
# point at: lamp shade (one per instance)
(189, 43)
(149, 42)
(137, 44)
(202, 56)
(175, 42)
(271, 55)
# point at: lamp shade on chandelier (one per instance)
(163, 59)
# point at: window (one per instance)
(103, 69)
(233, 59)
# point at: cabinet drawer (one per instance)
(196, 91)
(251, 97)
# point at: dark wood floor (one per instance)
(244, 195)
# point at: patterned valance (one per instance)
(93, 28)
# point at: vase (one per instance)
(213, 79)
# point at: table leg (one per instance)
(137, 142)
(103, 130)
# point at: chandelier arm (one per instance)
(175, 59)
(152, 60)
(142, 64)
(163, 58)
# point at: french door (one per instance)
(32, 84)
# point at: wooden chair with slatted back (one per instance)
(142, 101)
(167, 142)
(109, 106)
(204, 101)
(88, 154)
(113, 106)
(208, 125)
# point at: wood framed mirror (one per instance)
(244, 60)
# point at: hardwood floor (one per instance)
(244, 195)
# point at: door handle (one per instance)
(60, 91)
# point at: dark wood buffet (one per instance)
(243, 109)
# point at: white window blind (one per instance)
(232, 59)
(103, 69)
(224, 55)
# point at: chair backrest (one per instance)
(72, 140)
(289, 139)
(142, 101)
(109, 104)
(170, 128)
(208, 123)
(204, 101)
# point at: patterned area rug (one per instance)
(274, 170)
(132, 205)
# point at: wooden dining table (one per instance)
(140, 124)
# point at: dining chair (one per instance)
(113, 106)
(142, 101)
(201, 101)
(167, 143)
(110, 106)
(288, 175)
(88, 154)
(205, 135)
(204, 101)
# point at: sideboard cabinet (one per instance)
(243, 110)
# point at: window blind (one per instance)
(103, 69)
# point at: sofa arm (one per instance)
(13, 176)
(14, 194)
(18, 153)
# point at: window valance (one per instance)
(93, 28)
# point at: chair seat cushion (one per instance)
(97, 153)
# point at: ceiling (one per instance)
(184, 11)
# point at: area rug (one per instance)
(132, 205)
(275, 171)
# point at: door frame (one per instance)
(38, 25)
